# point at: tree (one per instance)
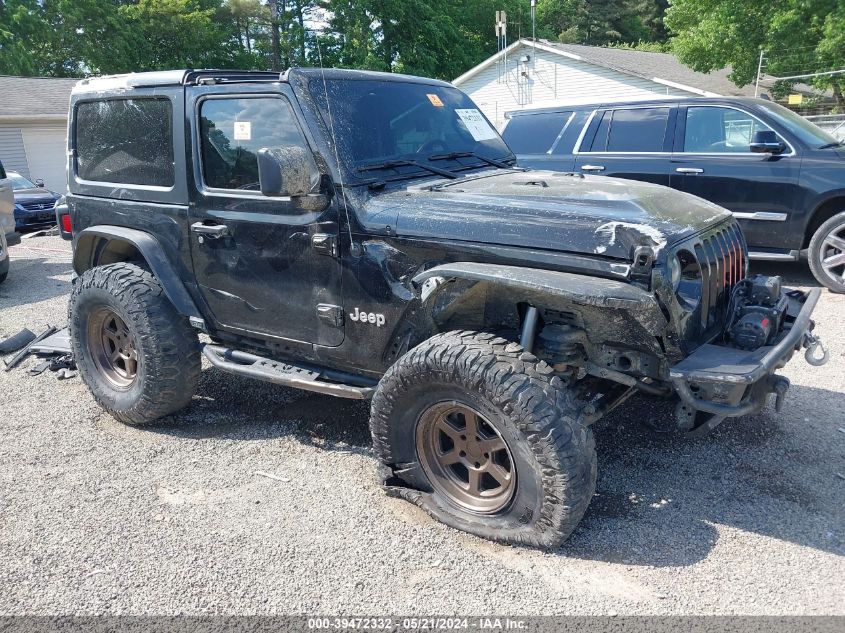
(173, 34)
(798, 35)
(602, 22)
(21, 28)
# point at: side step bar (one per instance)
(278, 373)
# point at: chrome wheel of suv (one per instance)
(833, 253)
(827, 253)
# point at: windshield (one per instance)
(406, 127)
(19, 182)
(808, 132)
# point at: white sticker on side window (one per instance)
(476, 124)
(243, 131)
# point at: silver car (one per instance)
(7, 222)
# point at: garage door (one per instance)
(12, 152)
(46, 153)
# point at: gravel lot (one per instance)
(97, 517)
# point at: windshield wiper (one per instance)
(402, 162)
(830, 145)
(453, 155)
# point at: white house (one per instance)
(33, 127)
(532, 74)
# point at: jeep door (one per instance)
(628, 142)
(264, 265)
(712, 160)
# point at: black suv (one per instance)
(367, 236)
(781, 176)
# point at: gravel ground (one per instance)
(97, 517)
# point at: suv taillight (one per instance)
(63, 219)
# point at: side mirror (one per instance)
(286, 171)
(39, 182)
(766, 142)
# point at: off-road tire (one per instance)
(168, 357)
(531, 409)
(814, 254)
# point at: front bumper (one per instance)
(725, 381)
(25, 219)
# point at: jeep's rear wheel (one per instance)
(112, 347)
(827, 253)
(485, 438)
(136, 354)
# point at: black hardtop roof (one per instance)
(664, 101)
(192, 77)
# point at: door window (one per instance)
(631, 130)
(232, 130)
(711, 129)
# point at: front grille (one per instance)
(38, 205)
(722, 255)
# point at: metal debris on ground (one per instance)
(53, 345)
(16, 341)
(15, 360)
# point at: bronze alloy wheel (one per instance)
(112, 348)
(465, 457)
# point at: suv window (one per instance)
(720, 130)
(232, 130)
(127, 141)
(631, 130)
(534, 133)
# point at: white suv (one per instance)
(7, 222)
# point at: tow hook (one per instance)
(813, 343)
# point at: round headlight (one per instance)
(674, 272)
(688, 284)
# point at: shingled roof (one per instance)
(34, 97)
(660, 67)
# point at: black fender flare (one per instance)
(579, 289)
(611, 311)
(86, 253)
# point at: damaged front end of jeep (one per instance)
(687, 323)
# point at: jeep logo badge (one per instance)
(367, 317)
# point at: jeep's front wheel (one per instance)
(485, 438)
(136, 354)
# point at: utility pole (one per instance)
(759, 72)
(534, 33)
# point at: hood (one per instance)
(594, 215)
(34, 194)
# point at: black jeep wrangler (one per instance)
(368, 236)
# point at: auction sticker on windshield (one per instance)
(243, 131)
(435, 100)
(476, 124)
